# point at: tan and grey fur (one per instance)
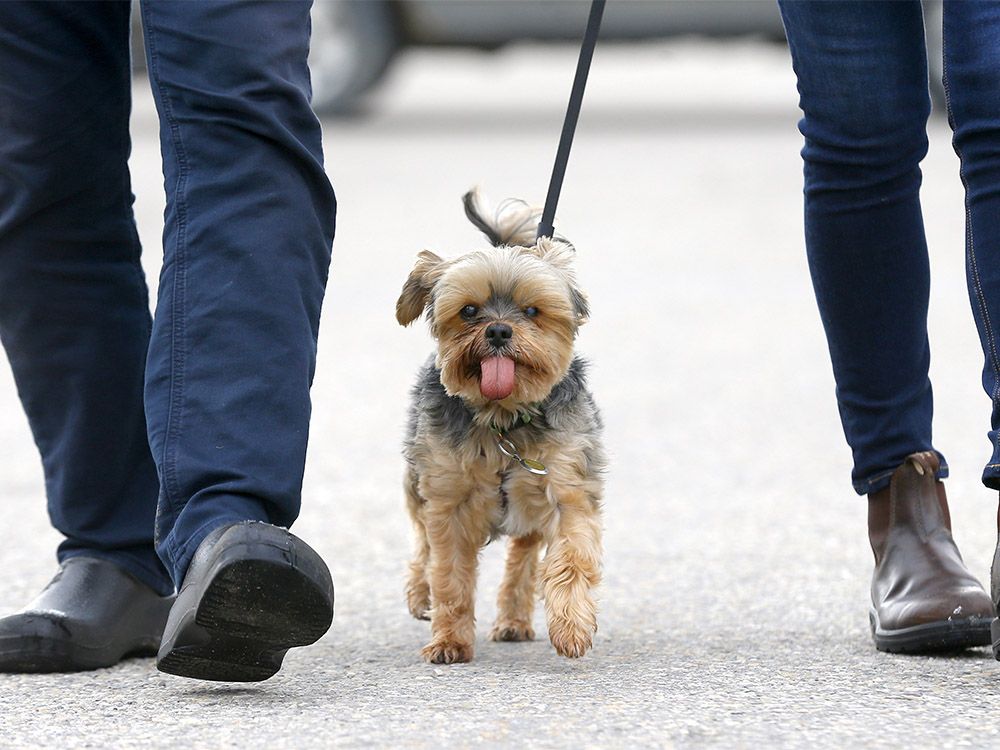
(461, 490)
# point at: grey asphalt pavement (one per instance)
(734, 607)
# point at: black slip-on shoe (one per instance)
(92, 615)
(252, 592)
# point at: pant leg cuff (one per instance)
(991, 475)
(880, 480)
(179, 546)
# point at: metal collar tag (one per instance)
(508, 448)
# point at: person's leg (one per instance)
(862, 77)
(74, 310)
(972, 85)
(249, 226)
(74, 321)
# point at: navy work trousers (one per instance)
(198, 416)
(862, 78)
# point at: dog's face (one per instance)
(504, 319)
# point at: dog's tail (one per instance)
(514, 222)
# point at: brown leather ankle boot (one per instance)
(924, 599)
(995, 592)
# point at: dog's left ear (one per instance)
(580, 305)
(561, 255)
(417, 288)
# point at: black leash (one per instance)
(545, 227)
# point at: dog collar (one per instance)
(523, 418)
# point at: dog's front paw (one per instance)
(418, 601)
(571, 639)
(512, 630)
(443, 651)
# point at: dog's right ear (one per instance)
(417, 289)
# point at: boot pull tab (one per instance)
(922, 507)
(925, 462)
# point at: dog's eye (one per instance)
(469, 312)
(531, 311)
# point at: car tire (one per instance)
(353, 42)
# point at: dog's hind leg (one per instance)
(570, 571)
(418, 590)
(516, 600)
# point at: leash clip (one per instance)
(507, 447)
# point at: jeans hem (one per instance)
(177, 557)
(991, 476)
(880, 481)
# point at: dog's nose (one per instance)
(498, 334)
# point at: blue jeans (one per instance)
(198, 416)
(862, 78)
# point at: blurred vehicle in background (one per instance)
(354, 41)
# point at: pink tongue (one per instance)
(497, 380)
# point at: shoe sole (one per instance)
(259, 601)
(932, 637)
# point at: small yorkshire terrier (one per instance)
(503, 438)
